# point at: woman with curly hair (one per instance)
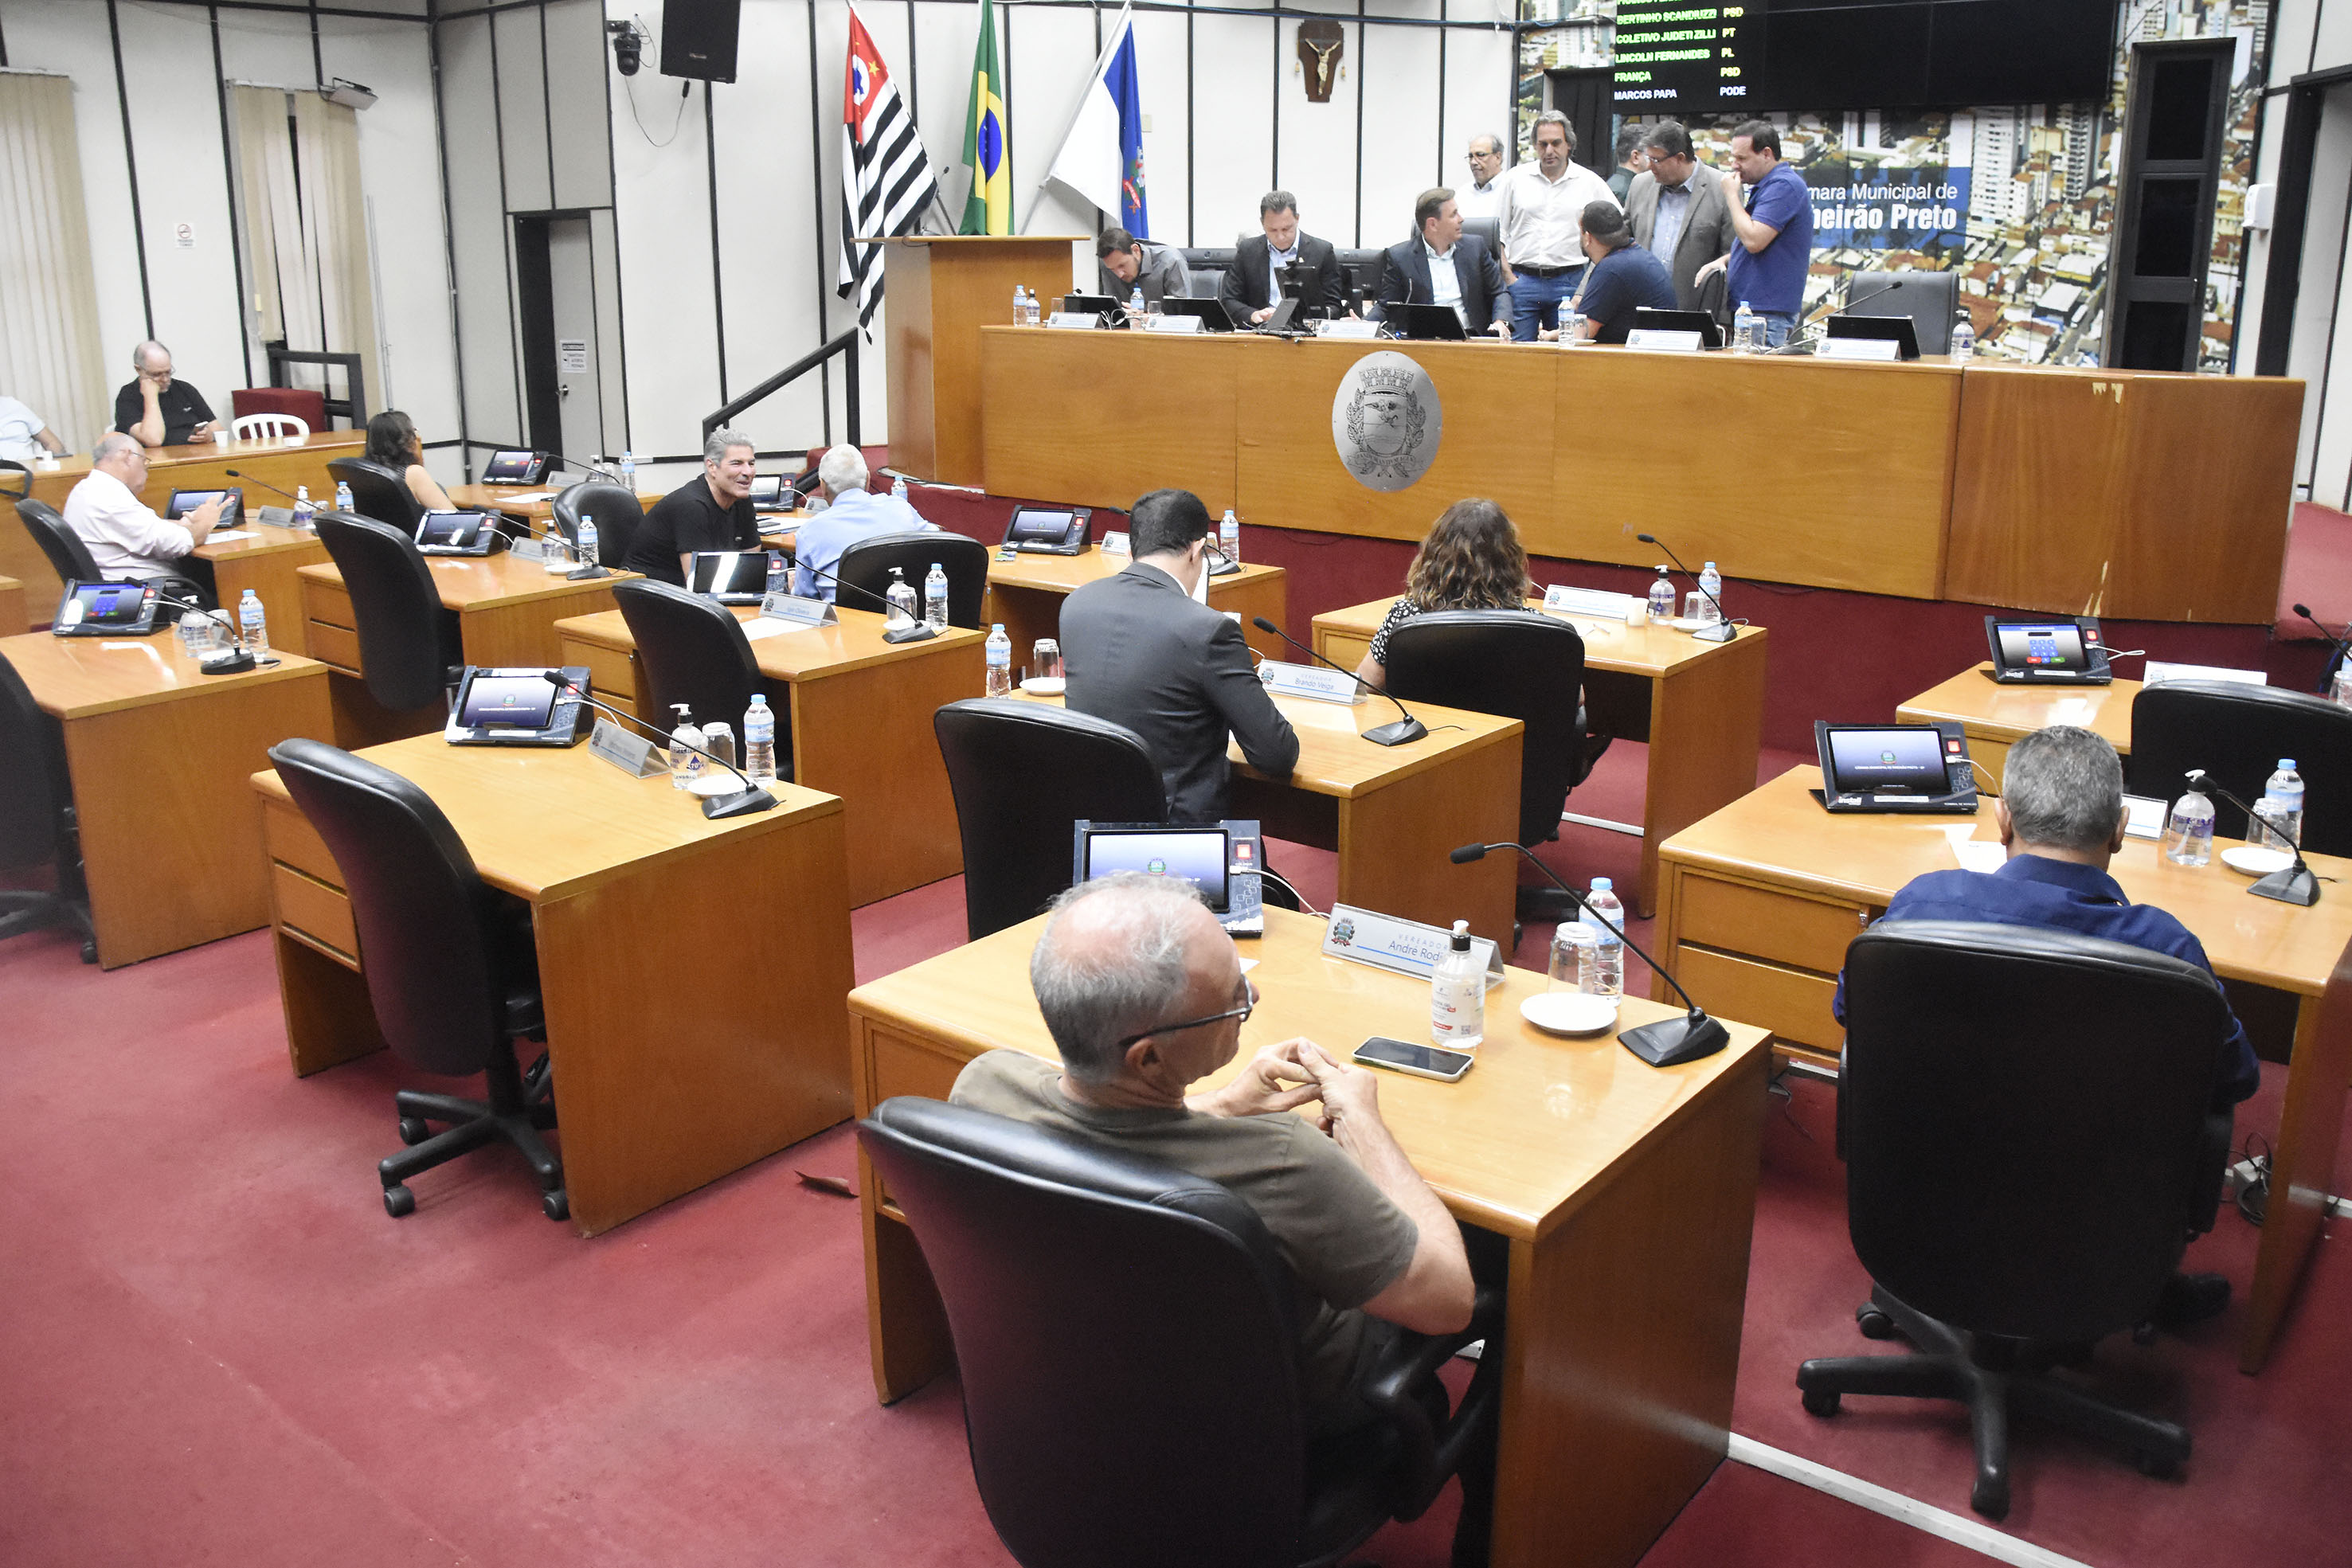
(1471, 559)
(393, 441)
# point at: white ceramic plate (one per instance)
(1042, 686)
(1569, 1012)
(2253, 862)
(717, 782)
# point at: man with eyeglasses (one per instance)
(1144, 996)
(1482, 197)
(157, 408)
(1680, 211)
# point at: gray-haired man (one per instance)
(711, 511)
(156, 408)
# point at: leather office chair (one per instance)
(617, 513)
(450, 969)
(1930, 299)
(23, 484)
(36, 819)
(1487, 229)
(379, 492)
(2026, 1121)
(409, 645)
(1127, 1336)
(1023, 774)
(2237, 733)
(70, 558)
(867, 564)
(694, 652)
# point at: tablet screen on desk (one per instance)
(186, 501)
(1877, 761)
(729, 571)
(513, 468)
(2054, 646)
(1036, 524)
(1196, 855)
(768, 490)
(507, 702)
(110, 604)
(457, 530)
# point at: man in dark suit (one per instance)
(1679, 211)
(1443, 266)
(1141, 651)
(1252, 285)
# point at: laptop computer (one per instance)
(1096, 305)
(517, 707)
(1424, 322)
(1211, 312)
(1222, 858)
(1897, 768)
(1897, 329)
(1647, 319)
(731, 577)
(457, 533)
(2063, 653)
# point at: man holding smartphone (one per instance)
(158, 409)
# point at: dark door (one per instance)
(2174, 111)
(1583, 97)
(542, 397)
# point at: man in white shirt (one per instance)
(1483, 197)
(1543, 203)
(125, 536)
(851, 513)
(23, 434)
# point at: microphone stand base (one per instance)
(1716, 632)
(1401, 732)
(2294, 885)
(743, 803)
(920, 631)
(587, 574)
(1670, 1042)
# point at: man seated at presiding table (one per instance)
(1144, 996)
(1254, 283)
(2061, 814)
(393, 441)
(1139, 651)
(156, 408)
(1443, 266)
(127, 538)
(1126, 263)
(851, 513)
(711, 511)
(1622, 279)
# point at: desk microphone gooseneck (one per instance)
(743, 802)
(2335, 641)
(920, 631)
(1722, 631)
(255, 479)
(1396, 733)
(2297, 884)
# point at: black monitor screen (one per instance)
(454, 528)
(510, 468)
(1195, 855)
(2043, 645)
(1032, 525)
(508, 701)
(731, 571)
(1876, 761)
(767, 489)
(110, 604)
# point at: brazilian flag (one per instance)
(988, 209)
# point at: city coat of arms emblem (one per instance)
(1385, 421)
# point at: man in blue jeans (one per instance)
(1542, 244)
(1774, 231)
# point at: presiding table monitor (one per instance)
(731, 577)
(1221, 859)
(1426, 322)
(517, 707)
(514, 469)
(456, 533)
(2048, 653)
(1895, 767)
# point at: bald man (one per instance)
(157, 408)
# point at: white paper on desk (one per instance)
(2156, 670)
(762, 627)
(229, 534)
(1975, 855)
(529, 497)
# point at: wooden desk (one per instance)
(860, 710)
(691, 970)
(502, 498)
(1762, 898)
(1996, 717)
(266, 562)
(1700, 706)
(1393, 812)
(12, 606)
(159, 756)
(507, 609)
(1026, 592)
(200, 465)
(1627, 1194)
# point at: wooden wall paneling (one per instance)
(1100, 418)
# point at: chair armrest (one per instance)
(1428, 1456)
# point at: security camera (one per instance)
(628, 46)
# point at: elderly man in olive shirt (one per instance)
(710, 512)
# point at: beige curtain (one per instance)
(270, 218)
(49, 356)
(334, 230)
(304, 227)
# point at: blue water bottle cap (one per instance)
(2286, 764)
(1601, 885)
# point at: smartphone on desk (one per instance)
(1421, 1060)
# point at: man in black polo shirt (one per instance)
(157, 409)
(712, 512)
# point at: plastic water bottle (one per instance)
(342, 495)
(1229, 536)
(1608, 973)
(935, 598)
(303, 511)
(1135, 306)
(1710, 582)
(759, 740)
(2340, 687)
(629, 472)
(899, 489)
(588, 552)
(253, 628)
(1662, 597)
(780, 576)
(1963, 339)
(195, 631)
(1743, 330)
(1000, 661)
(1457, 995)
(2280, 808)
(902, 599)
(2188, 836)
(1020, 306)
(686, 764)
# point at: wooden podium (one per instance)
(941, 290)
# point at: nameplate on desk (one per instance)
(798, 611)
(1117, 544)
(1074, 320)
(1598, 603)
(1666, 339)
(1400, 945)
(1306, 680)
(1172, 324)
(633, 754)
(1858, 349)
(1348, 328)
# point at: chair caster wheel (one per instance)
(413, 1131)
(2163, 1467)
(1874, 1323)
(556, 1204)
(1821, 1401)
(399, 1201)
(89, 951)
(1990, 1497)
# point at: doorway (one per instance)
(555, 299)
(1583, 96)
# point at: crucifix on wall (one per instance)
(1321, 44)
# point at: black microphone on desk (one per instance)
(918, 630)
(2296, 884)
(1669, 1042)
(743, 803)
(234, 660)
(1402, 730)
(254, 480)
(1722, 631)
(2329, 674)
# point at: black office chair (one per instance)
(70, 558)
(2238, 733)
(37, 819)
(619, 518)
(1128, 1339)
(379, 492)
(1513, 663)
(410, 648)
(1487, 229)
(867, 564)
(1023, 773)
(694, 652)
(2026, 1121)
(450, 969)
(23, 486)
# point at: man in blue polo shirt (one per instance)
(853, 513)
(2061, 814)
(1774, 230)
(1622, 279)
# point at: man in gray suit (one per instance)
(1679, 211)
(1141, 651)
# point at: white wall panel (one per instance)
(1319, 139)
(661, 205)
(2318, 353)
(2291, 31)
(1233, 125)
(1478, 73)
(1053, 55)
(1400, 132)
(183, 179)
(613, 387)
(2334, 35)
(576, 105)
(521, 104)
(478, 225)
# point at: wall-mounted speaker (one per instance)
(698, 38)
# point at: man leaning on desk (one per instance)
(1140, 651)
(157, 408)
(2061, 814)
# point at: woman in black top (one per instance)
(1471, 559)
(393, 441)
